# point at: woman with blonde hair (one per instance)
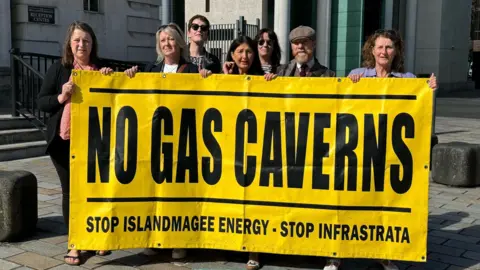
(172, 53)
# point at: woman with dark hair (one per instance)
(79, 52)
(242, 58)
(268, 50)
(198, 32)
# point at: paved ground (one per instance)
(462, 104)
(458, 107)
(453, 242)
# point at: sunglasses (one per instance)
(386, 31)
(174, 27)
(203, 28)
(261, 42)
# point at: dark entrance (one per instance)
(303, 13)
(372, 17)
(178, 13)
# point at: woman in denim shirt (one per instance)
(383, 56)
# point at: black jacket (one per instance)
(47, 100)
(317, 70)
(153, 67)
(57, 75)
(212, 62)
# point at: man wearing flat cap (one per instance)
(305, 64)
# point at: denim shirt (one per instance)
(371, 72)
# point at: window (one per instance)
(90, 5)
(207, 5)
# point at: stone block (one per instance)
(18, 205)
(455, 164)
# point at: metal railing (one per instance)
(27, 74)
(26, 83)
(28, 69)
(222, 35)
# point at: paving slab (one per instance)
(35, 261)
(453, 241)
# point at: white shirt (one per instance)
(309, 64)
(170, 68)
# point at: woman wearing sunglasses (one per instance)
(268, 50)
(172, 53)
(198, 31)
(383, 57)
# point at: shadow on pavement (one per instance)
(220, 259)
(48, 227)
(451, 132)
(450, 241)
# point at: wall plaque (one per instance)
(41, 14)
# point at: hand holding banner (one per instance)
(311, 166)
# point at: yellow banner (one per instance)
(310, 166)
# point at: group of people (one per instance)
(383, 56)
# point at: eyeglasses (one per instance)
(203, 28)
(261, 42)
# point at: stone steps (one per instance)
(14, 136)
(19, 139)
(8, 122)
(22, 150)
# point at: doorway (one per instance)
(373, 17)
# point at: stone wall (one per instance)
(125, 28)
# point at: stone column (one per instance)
(388, 11)
(410, 35)
(264, 21)
(5, 33)
(282, 27)
(166, 11)
(324, 11)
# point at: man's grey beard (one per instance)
(302, 59)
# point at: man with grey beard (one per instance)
(302, 40)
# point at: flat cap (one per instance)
(302, 32)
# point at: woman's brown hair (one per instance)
(67, 55)
(369, 59)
